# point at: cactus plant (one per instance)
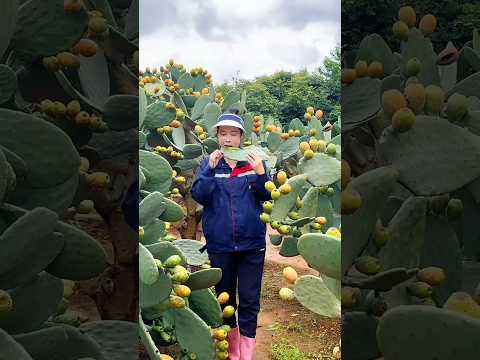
(405, 225)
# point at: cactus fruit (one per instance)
(415, 94)
(361, 68)
(375, 69)
(434, 96)
(454, 209)
(462, 302)
(351, 201)
(432, 275)
(275, 194)
(392, 101)
(428, 24)
(457, 107)
(400, 30)
(413, 68)
(286, 294)
(282, 177)
(228, 311)
(368, 265)
(348, 76)
(419, 289)
(403, 120)
(270, 186)
(223, 298)
(407, 15)
(290, 275)
(6, 303)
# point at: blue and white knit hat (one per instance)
(230, 120)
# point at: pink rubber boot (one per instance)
(233, 339)
(247, 345)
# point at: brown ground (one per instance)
(279, 322)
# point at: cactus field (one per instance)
(411, 199)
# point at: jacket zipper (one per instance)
(232, 212)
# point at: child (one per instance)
(232, 193)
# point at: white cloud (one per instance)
(251, 37)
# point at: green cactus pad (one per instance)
(3, 175)
(178, 136)
(147, 269)
(191, 250)
(164, 249)
(178, 101)
(185, 81)
(322, 252)
(189, 100)
(56, 198)
(231, 98)
(157, 115)
(160, 171)
(11, 349)
(374, 48)
(193, 334)
(22, 242)
(359, 336)
(360, 102)
(403, 333)
(274, 140)
(34, 302)
(151, 207)
(456, 161)
(312, 293)
(192, 151)
(385, 280)
(45, 29)
(121, 112)
(198, 108)
(199, 82)
(288, 148)
(289, 247)
(142, 106)
(334, 285)
(204, 303)
(117, 338)
(240, 154)
(153, 232)
(62, 342)
(173, 212)
(321, 169)
(275, 239)
(9, 11)
(211, 112)
(19, 166)
(286, 202)
(152, 295)
(468, 86)
(8, 83)
(374, 187)
(205, 278)
(81, 258)
(54, 164)
(441, 248)
(211, 145)
(96, 67)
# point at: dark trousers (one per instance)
(246, 269)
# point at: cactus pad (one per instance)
(205, 278)
(312, 293)
(191, 250)
(322, 252)
(204, 303)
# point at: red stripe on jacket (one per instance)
(240, 170)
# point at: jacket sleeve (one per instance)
(260, 192)
(204, 184)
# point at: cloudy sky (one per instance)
(251, 37)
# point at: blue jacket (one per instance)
(231, 206)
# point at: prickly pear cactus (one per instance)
(409, 245)
(55, 88)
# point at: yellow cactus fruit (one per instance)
(407, 15)
(73, 108)
(349, 298)
(304, 146)
(375, 69)
(380, 234)
(6, 302)
(228, 311)
(297, 133)
(428, 24)
(82, 118)
(141, 232)
(204, 91)
(308, 154)
(348, 76)
(223, 298)
(284, 136)
(97, 25)
(350, 200)
(462, 302)
(393, 100)
(176, 302)
(270, 186)
(51, 63)
(84, 165)
(368, 265)
(290, 275)
(313, 144)
(333, 232)
(321, 220)
(166, 357)
(275, 194)
(457, 107)
(403, 120)
(291, 133)
(182, 290)
(400, 30)
(282, 177)
(97, 179)
(361, 68)
(85, 207)
(220, 334)
(432, 275)
(346, 173)
(60, 109)
(68, 60)
(319, 114)
(285, 188)
(310, 110)
(180, 180)
(434, 96)
(286, 294)
(284, 229)
(415, 94)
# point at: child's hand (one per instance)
(256, 163)
(214, 158)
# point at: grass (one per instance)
(285, 351)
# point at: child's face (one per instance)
(229, 136)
